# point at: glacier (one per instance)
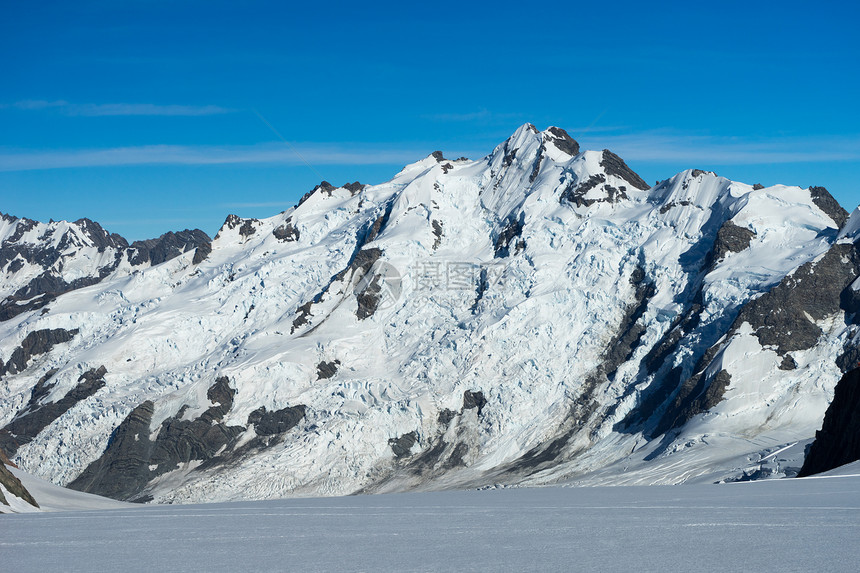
(537, 316)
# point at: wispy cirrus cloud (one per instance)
(118, 109)
(662, 147)
(657, 148)
(314, 154)
(251, 205)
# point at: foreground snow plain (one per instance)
(806, 524)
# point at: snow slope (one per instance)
(54, 498)
(536, 316)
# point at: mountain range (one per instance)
(539, 315)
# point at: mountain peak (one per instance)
(614, 165)
(562, 141)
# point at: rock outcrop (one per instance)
(838, 441)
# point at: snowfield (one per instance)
(808, 524)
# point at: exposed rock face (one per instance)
(327, 369)
(582, 411)
(657, 362)
(698, 394)
(838, 441)
(373, 232)
(825, 201)
(122, 471)
(630, 331)
(54, 242)
(303, 314)
(369, 297)
(402, 446)
(849, 359)
(563, 141)
(36, 343)
(788, 363)
(132, 459)
(232, 221)
(437, 232)
(14, 486)
(247, 227)
(537, 163)
(577, 192)
(354, 188)
(510, 155)
(509, 241)
(671, 204)
(180, 441)
(614, 165)
(36, 417)
(203, 251)
(4, 459)
(474, 400)
(271, 423)
(784, 316)
(41, 290)
(448, 449)
(167, 246)
(286, 232)
(730, 239)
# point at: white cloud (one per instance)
(653, 147)
(119, 109)
(313, 154)
(657, 147)
(252, 205)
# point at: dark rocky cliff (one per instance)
(838, 441)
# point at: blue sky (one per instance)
(146, 116)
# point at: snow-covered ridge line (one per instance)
(537, 315)
(40, 261)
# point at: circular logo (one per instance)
(380, 287)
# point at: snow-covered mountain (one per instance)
(41, 261)
(535, 316)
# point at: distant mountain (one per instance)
(44, 260)
(538, 315)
